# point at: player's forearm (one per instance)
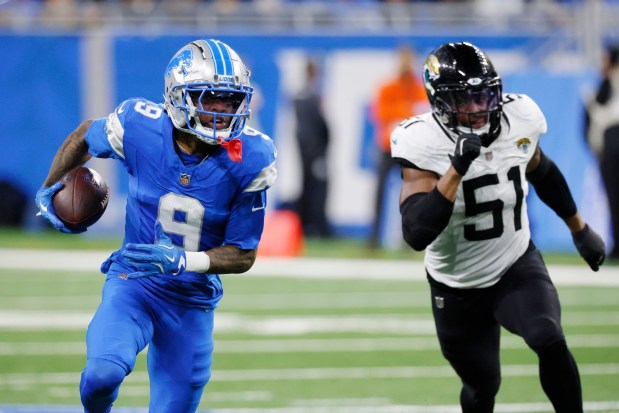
(230, 259)
(424, 217)
(552, 188)
(449, 183)
(575, 223)
(73, 152)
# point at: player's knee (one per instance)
(479, 397)
(488, 386)
(100, 379)
(183, 397)
(197, 381)
(542, 332)
(554, 351)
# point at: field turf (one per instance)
(291, 343)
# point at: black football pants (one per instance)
(526, 303)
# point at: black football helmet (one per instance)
(464, 90)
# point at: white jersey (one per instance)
(489, 228)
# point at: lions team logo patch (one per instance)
(524, 144)
(184, 179)
(439, 302)
(183, 59)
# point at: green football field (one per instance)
(311, 337)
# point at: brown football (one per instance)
(83, 198)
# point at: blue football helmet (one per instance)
(203, 71)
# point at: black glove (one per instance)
(590, 246)
(468, 146)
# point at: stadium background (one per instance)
(303, 335)
(60, 68)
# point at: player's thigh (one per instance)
(468, 334)
(121, 326)
(527, 302)
(181, 353)
(466, 329)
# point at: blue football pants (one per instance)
(180, 341)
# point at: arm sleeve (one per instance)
(424, 217)
(551, 187)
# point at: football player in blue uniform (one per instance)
(466, 166)
(195, 209)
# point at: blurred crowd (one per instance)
(272, 14)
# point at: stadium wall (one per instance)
(51, 82)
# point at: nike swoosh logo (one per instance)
(166, 247)
(171, 259)
(121, 109)
(254, 209)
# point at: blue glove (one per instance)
(162, 257)
(46, 208)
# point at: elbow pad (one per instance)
(424, 216)
(551, 187)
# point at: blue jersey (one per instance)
(208, 204)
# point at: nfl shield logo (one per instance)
(185, 178)
(488, 156)
(439, 301)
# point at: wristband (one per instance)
(197, 261)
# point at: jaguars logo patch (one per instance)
(431, 71)
(432, 66)
(524, 144)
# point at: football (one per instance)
(82, 200)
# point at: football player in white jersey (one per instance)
(466, 166)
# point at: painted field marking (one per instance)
(592, 406)
(21, 380)
(309, 345)
(300, 267)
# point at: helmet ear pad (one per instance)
(445, 112)
(176, 114)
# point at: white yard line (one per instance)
(604, 406)
(231, 322)
(21, 380)
(364, 407)
(306, 345)
(136, 386)
(332, 268)
(234, 301)
(331, 406)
